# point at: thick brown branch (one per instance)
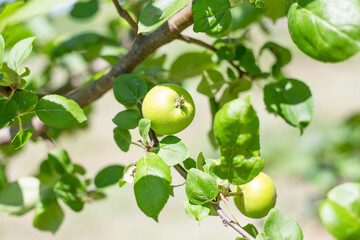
(142, 48)
(208, 46)
(124, 14)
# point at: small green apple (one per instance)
(257, 197)
(169, 107)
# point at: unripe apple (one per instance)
(169, 107)
(256, 197)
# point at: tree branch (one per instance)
(208, 46)
(228, 222)
(124, 14)
(142, 48)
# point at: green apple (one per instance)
(256, 197)
(169, 107)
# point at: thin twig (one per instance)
(228, 222)
(181, 170)
(212, 48)
(125, 15)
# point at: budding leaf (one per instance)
(21, 138)
(71, 191)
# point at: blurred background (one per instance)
(304, 167)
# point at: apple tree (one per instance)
(34, 108)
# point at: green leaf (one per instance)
(328, 31)
(122, 138)
(283, 56)
(340, 214)
(21, 138)
(234, 88)
(48, 216)
(9, 76)
(152, 184)
(144, 128)
(25, 100)
(109, 176)
(197, 212)
(156, 12)
(7, 11)
(20, 52)
(21, 196)
(251, 229)
(200, 187)
(190, 65)
(71, 191)
(211, 83)
(84, 9)
(60, 161)
(261, 236)
(189, 163)
(59, 112)
(292, 100)
(236, 129)
(248, 61)
(2, 50)
(88, 44)
(274, 9)
(278, 225)
(127, 119)
(3, 178)
(200, 161)
(129, 89)
(244, 15)
(8, 111)
(212, 16)
(172, 150)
